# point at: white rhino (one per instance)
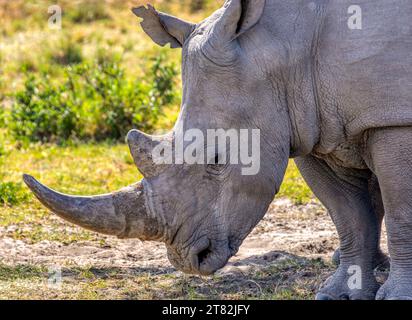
(337, 99)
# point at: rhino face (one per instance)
(201, 209)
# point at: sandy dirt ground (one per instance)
(305, 231)
(287, 231)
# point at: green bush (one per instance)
(96, 102)
(12, 193)
(43, 112)
(117, 104)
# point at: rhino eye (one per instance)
(216, 165)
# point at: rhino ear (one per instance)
(238, 17)
(163, 28)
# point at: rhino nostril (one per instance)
(233, 246)
(203, 255)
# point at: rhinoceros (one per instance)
(336, 98)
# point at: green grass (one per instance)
(20, 272)
(89, 28)
(79, 169)
(294, 187)
(292, 278)
(12, 193)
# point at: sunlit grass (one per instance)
(84, 169)
(291, 279)
(28, 43)
(294, 187)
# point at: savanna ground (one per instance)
(286, 257)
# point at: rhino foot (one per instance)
(397, 287)
(340, 286)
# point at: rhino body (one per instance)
(337, 99)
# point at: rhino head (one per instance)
(202, 212)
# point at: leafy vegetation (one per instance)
(41, 112)
(96, 101)
(12, 193)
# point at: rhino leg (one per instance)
(390, 157)
(345, 194)
(382, 260)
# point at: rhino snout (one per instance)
(204, 258)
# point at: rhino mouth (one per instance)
(205, 258)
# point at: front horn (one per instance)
(122, 214)
(142, 147)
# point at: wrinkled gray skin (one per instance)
(337, 100)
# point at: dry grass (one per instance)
(290, 278)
